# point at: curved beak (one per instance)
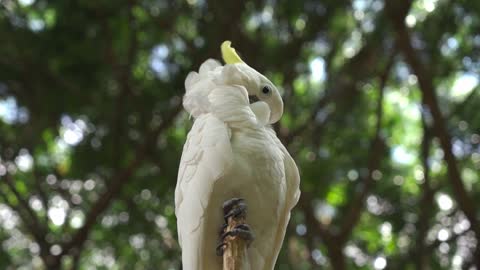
(276, 108)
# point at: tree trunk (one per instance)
(337, 258)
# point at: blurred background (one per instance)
(381, 115)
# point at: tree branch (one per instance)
(376, 149)
(39, 227)
(429, 99)
(32, 224)
(41, 192)
(426, 201)
(235, 251)
(305, 204)
(339, 85)
(116, 184)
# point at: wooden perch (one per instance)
(235, 249)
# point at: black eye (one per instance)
(266, 90)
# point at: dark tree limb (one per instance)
(116, 184)
(316, 228)
(426, 202)
(342, 86)
(23, 205)
(376, 149)
(41, 192)
(405, 260)
(31, 223)
(429, 99)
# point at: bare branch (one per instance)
(23, 204)
(235, 255)
(30, 224)
(41, 192)
(305, 204)
(335, 249)
(426, 201)
(376, 149)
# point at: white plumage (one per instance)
(232, 152)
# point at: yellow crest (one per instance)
(229, 54)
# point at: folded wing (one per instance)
(207, 155)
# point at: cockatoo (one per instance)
(232, 152)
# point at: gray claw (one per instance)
(219, 249)
(235, 207)
(222, 229)
(243, 231)
(230, 204)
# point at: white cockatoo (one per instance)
(232, 152)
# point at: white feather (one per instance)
(230, 153)
(198, 86)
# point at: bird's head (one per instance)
(259, 88)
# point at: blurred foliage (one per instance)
(91, 127)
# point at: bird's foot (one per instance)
(235, 207)
(241, 230)
(222, 244)
(220, 248)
